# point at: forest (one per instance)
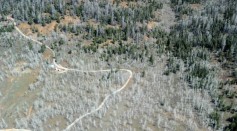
(118, 65)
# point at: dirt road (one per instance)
(61, 69)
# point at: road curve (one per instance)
(62, 69)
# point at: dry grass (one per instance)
(126, 4)
(29, 112)
(64, 63)
(93, 23)
(151, 25)
(19, 68)
(196, 6)
(47, 55)
(48, 28)
(44, 30)
(113, 26)
(69, 19)
(106, 43)
(25, 28)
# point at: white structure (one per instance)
(52, 66)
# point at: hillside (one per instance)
(118, 65)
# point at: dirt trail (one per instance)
(61, 69)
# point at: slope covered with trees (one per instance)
(182, 54)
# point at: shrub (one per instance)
(215, 120)
(42, 49)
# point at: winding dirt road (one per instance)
(61, 69)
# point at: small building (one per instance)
(51, 66)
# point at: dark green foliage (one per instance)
(8, 28)
(90, 48)
(184, 10)
(235, 73)
(42, 49)
(47, 19)
(199, 71)
(79, 10)
(192, 41)
(61, 42)
(151, 59)
(32, 11)
(215, 117)
(34, 29)
(179, 45)
(211, 34)
(172, 66)
(182, 46)
(176, 2)
(129, 51)
(30, 45)
(98, 40)
(233, 124)
(230, 10)
(30, 21)
(229, 94)
(143, 74)
(158, 34)
(57, 17)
